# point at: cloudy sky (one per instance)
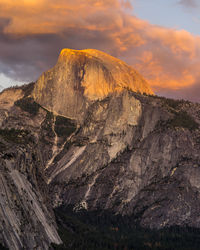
(161, 39)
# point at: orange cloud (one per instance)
(49, 16)
(161, 76)
(168, 58)
(178, 41)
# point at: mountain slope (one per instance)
(64, 145)
(148, 167)
(26, 218)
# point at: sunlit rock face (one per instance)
(131, 154)
(8, 97)
(81, 77)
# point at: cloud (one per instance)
(32, 35)
(189, 3)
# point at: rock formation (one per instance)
(82, 77)
(84, 136)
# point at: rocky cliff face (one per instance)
(82, 77)
(134, 155)
(26, 217)
(103, 146)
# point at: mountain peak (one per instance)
(84, 76)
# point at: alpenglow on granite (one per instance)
(81, 77)
(85, 137)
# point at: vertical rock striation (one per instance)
(81, 77)
(84, 135)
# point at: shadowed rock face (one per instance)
(26, 218)
(134, 155)
(131, 154)
(82, 77)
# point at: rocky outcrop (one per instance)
(26, 216)
(132, 154)
(82, 77)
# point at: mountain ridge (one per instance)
(130, 154)
(81, 77)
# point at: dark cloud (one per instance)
(25, 58)
(189, 3)
(4, 22)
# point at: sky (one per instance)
(161, 39)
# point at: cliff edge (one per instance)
(81, 77)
